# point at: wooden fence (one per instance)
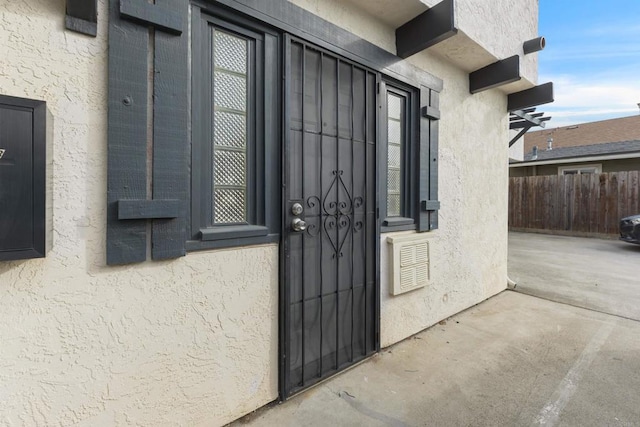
(590, 204)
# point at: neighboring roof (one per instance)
(612, 130)
(626, 149)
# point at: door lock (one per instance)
(296, 209)
(298, 225)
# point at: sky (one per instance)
(592, 56)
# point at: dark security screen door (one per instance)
(330, 297)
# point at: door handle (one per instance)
(298, 225)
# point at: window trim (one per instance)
(562, 170)
(410, 158)
(262, 149)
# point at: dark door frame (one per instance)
(283, 321)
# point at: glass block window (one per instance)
(395, 141)
(230, 88)
(235, 133)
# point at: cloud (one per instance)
(611, 111)
(570, 49)
(593, 58)
(595, 52)
(620, 29)
(580, 99)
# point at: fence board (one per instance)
(594, 212)
(623, 200)
(612, 202)
(584, 204)
(634, 192)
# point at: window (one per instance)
(235, 123)
(396, 143)
(230, 119)
(177, 183)
(580, 169)
(398, 120)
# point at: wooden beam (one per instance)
(525, 123)
(497, 74)
(537, 95)
(429, 112)
(149, 209)
(517, 137)
(82, 16)
(427, 29)
(533, 118)
(520, 124)
(160, 17)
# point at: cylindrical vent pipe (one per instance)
(534, 45)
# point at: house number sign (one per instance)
(2, 150)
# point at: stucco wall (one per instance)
(194, 341)
(490, 31)
(501, 26)
(469, 251)
(187, 342)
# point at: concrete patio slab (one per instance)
(511, 360)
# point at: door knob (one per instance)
(298, 225)
(296, 209)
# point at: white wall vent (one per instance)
(409, 262)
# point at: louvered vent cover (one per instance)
(409, 263)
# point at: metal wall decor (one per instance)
(335, 217)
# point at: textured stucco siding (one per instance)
(469, 250)
(194, 341)
(500, 26)
(468, 253)
(493, 30)
(186, 342)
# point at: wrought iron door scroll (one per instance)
(336, 215)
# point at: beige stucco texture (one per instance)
(194, 341)
(468, 251)
(186, 342)
(489, 31)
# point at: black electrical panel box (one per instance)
(22, 178)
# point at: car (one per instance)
(630, 229)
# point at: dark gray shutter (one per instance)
(428, 155)
(147, 130)
(82, 16)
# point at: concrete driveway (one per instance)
(513, 360)
(601, 275)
